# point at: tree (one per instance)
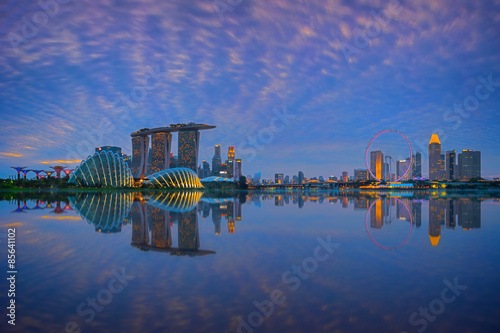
(242, 183)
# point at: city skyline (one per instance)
(294, 90)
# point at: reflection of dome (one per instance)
(175, 178)
(105, 211)
(176, 202)
(103, 169)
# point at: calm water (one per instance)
(253, 262)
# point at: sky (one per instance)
(292, 85)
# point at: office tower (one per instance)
(278, 178)
(230, 154)
(360, 175)
(189, 141)
(469, 164)
(416, 171)
(217, 150)
(450, 164)
(230, 169)
(160, 154)
(345, 175)
(402, 166)
(140, 150)
(442, 171)
(435, 160)
(377, 165)
(206, 169)
(237, 169)
(287, 179)
(300, 177)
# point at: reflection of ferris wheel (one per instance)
(367, 155)
(407, 209)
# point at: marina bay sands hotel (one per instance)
(161, 142)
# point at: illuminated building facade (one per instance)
(360, 175)
(435, 158)
(278, 178)
(189, 142)
(230, 154)
(160, 154)
(140, 150)
(345, 176)
(469, 164)
(377, 165)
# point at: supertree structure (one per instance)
(18, 169)
(58, 169)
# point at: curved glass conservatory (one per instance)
(175, 178)
(104, 169)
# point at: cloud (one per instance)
(11, 154)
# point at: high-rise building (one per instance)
(230, 154)
(230, 169)
(345, 176)
(435, 160)
(469, 164)
(237, 169)
(278, 178)
(160, 154)
(377, 165)
(300, 177)
(140, 150)
(218, 150)
(416, 171)
(450, 164)
(206, 169)
(402, 166)
(189, 141)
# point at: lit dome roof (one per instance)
(175, 178)
(104, 169)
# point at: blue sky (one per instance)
(85, 73)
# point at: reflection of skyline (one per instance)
(464, 212)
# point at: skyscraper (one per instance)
(300, 177)
(206, 169)
(416, 171)
(230, 168)
(402, 167)
(189, 142)
(469, 164)
(237, 169)
(450, 164)
(218, 150)
(377, 165)
(434, 158)
(230, 154)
